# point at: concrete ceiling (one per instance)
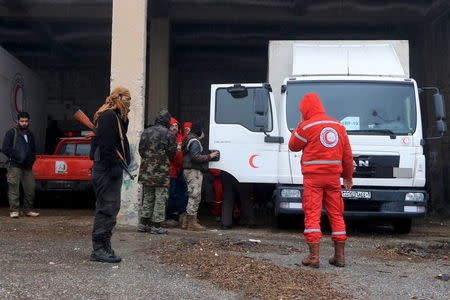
(59, 31)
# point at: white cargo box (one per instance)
(346, 59)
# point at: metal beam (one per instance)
(56, 12)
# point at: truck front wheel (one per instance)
(402, 226)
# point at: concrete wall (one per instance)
(128, 68)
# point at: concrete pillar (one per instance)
(128, 68)
(158, 81)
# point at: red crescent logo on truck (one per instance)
(17, 88)
(252, 162)
(18, 97)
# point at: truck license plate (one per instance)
(356, 195)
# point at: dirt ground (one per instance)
(48, 258)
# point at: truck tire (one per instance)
(402, 226)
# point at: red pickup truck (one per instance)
(68, 169)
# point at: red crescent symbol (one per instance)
(16, 91)
(250, 161)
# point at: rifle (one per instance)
(81, 117)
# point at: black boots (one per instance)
(104, 253)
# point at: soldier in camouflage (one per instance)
(156, 147)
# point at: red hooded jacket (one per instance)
(176, 164)
(324, 141)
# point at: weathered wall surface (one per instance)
(128, 68)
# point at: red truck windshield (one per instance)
(75, 149)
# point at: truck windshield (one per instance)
(369, 108)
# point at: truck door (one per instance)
(244, 128)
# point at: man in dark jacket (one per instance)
(157, 147)
(194, 163)
(110, 136)
(19, 147)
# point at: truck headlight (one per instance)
(290, 193)
(419, 197)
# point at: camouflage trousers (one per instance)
(154, 201)
(194, 180)
(17, 177)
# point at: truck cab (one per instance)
(366, 86)
(68, 169)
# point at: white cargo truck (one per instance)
(365, 85)
(21, 90)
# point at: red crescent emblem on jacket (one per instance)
(329, 137)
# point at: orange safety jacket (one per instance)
(324, 141)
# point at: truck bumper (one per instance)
(63, 185)
(382, 203)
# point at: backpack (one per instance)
(4, 159)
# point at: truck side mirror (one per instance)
(439, 111)
(238, 91)
(441, 127)
(261, 102)
(439, 106)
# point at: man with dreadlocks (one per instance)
(111, 122)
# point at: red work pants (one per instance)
(218, 192)
(324, 189)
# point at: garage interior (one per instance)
(68, 43)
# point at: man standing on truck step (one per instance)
(158, 145)
(194, 163)
(327, 156)
(19, 147)
(111, 120)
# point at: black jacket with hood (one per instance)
(107, 139)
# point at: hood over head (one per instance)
(197, 128)
(173, 121)
(163, 118)
(311, 106)
(187, 124)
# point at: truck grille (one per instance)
(375, 166)
(361, 205)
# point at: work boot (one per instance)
(313, 259)
(14, 214)
(144, 228)
(169, 223)
(193, 225)
(102, 255)
(144, 225)
(183, 220)
(109, 249)
(156, 228)
(338, 259)
(31, 214)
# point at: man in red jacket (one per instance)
(327, 156)
(178, 197)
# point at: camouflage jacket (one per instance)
(156, 147)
